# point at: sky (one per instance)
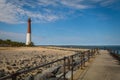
(62, 22)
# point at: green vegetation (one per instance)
(31, 44)
(10, 43)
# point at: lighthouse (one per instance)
(28, 36)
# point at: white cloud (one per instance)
(77, 4)
(48, 2)
(104, 2)
(17, 11)
(7, 12)
(13, 12)
(12, 36)
(108, 2)
(37, 16)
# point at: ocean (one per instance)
(112, 47)
(91, 47)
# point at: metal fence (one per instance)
(70, 64)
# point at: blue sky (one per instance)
(62, 22)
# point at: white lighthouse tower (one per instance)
(28, 37)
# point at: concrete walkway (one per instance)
(104, 67)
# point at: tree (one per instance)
(31, 44)
(11, 43)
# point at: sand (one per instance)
(13, 59)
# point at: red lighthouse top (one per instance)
(29, 25)
(29, 19)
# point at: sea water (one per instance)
(91, 47)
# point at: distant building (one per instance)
(28, 36)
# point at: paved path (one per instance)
(104, 67)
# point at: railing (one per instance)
(69, 64)
(115, 54)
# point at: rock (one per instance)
(55, 71)
(30, 77)
(49, 75)
(13, 65)
(9, 67)
(1, 62)
(7, 63)
(45, 76)
(2, 73)
(39, 71)
(39, 77)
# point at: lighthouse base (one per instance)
(28, 39)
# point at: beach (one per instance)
(13, 59)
